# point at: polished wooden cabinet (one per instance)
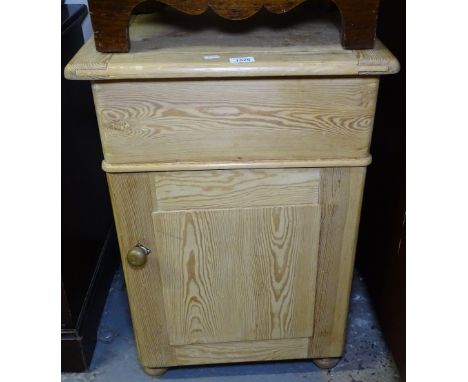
(236, 173)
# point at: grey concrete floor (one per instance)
(366, 357)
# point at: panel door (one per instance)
(238, 274)
(234, 258)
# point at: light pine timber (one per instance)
(238, 274)
(326, 363)
(246, 351)
(170, 108)
(155, 372)
(237, 120)
(187, 190)
(258, 164)
(132, 206)
(166, 49)
(341, 192)
(339, 206)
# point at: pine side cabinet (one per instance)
(236, 165)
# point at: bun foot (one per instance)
(154, 372)
(326, 363)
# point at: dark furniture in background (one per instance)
(89, 248)
(381, 248)
(110, 18)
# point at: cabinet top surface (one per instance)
(173, 45)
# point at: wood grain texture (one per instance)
(276, 119)
(252, 253)
(166, 47)
(186, 190)
(238, 274)
(255, 258)
(246, 351)
(88, 60)
(110, 18)
(132, 205)
(340, 199)
(233, 165)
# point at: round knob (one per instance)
(137, 255)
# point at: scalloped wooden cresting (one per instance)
(110, 18)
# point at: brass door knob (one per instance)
(137, 255)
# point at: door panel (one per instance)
(238, 274)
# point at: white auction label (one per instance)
(212, 57)
(241, 60)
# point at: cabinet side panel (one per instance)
(341, 192)
(132, 204)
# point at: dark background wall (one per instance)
(89, 249)
(381, 246)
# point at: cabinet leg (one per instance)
(358, 23)
(326, 363)
(154, 372)
(110, 23)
